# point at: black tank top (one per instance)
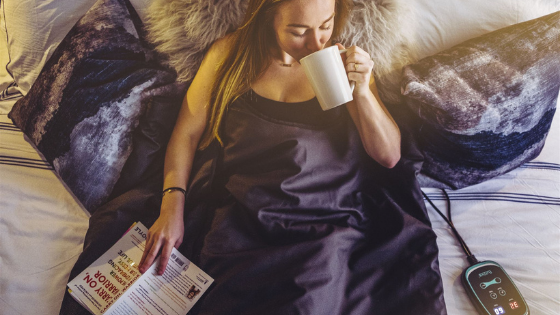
(293, 156)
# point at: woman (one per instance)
(299, 29)
(292, 219)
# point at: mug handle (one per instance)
(352, 83)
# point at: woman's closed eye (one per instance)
(323, 28)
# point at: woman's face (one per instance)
(304, 26)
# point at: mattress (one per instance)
(513, 219)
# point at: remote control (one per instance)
(492, 291)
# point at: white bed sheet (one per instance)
(42, 228)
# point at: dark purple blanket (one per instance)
(289, 217)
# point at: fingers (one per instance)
(359, 67)
(343, 55)
(150, 253)
(143, 263)
(363, 66)
(353, 66)
(358, 60)
(165, 254)
(356, 51)
(359, 78)
(166, 232)
(359, 72)
(160, 239)
(178, 243)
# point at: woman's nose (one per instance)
(315, 43)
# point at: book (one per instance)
(113, 285)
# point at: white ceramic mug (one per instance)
(326, 73)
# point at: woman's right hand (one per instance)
(167, 232)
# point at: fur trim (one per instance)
(380, 28)
(184, 29)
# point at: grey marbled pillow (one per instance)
(484, 107)
(84, 106)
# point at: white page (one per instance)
(166, 294)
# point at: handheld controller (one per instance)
(492, 291)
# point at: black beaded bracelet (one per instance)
(170, 189)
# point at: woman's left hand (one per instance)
(358, 66)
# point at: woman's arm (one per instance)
(378, 131)
(168, 230)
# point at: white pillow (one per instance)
(34, 30)
(5, 77)
(442, 24)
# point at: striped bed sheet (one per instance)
(42, 228)
(513, 219)
(500, 196)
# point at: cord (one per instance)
(470, 257)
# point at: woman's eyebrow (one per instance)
(307, 26)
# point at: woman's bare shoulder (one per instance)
(220, 48)
(207, 73)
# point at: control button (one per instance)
(502, 291)
(493, 295)
(485, 285)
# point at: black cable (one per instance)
(448, 205)
(470, 257)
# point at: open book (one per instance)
(113, 285)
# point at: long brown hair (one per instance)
(248, 57)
